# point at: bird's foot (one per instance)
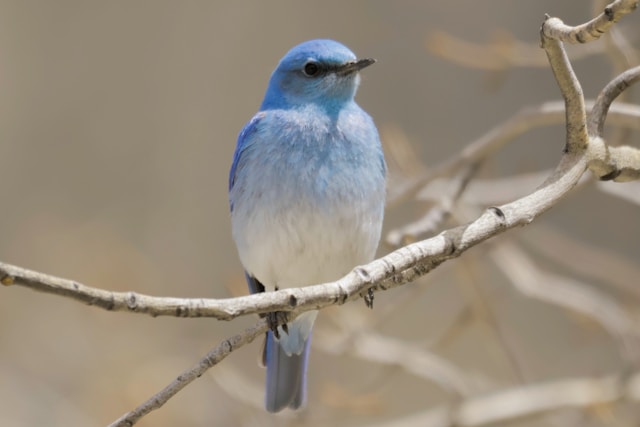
(368, 298)
(278, 318)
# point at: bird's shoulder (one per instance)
(244, 140)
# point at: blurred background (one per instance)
(118, 121)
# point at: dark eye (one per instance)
(311, 69)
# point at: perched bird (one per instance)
(307, 194)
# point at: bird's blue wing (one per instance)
(244, 140)
(255, 287)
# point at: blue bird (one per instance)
(307, 194)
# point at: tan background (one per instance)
(117, 126)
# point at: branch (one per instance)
(211, 359)
(611, 91)
(432, 220)
(576, 116)
(399, 267)
(621, 114)
(593, 29)
(545, 114)
(622, 163)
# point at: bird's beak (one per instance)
(354, 67)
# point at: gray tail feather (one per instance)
(286, 376)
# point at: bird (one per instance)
(307, 191)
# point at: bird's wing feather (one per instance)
(245, 139)
(255, 287)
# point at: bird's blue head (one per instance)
(324, 72)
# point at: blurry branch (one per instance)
(430, 222)
(504, 51)
(585, 260)
(501, 53)
(211, 359)
(483, 304)
(384, 350)
(489, 191)
(428, 185)
(569, 294)
(545, 114)
(527, 401)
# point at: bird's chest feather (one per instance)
(315, 209)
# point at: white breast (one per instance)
(291, 246)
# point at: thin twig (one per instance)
(211, 359)
(611, 91)
(437, 215)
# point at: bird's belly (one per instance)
(301, 245)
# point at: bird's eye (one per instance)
(311, 69)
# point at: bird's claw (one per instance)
(275, 319)
(368, 298)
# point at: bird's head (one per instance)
(324, 72)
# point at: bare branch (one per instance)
(622, 163)
(545, 114)
(399, 267)
(434, 218)
(576, 116)
(593, 29)
(211, 359)
(611, 91)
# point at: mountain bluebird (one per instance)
(307, 193)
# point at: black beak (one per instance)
(354, 67)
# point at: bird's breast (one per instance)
(311, 208)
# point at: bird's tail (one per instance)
(286, 375)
